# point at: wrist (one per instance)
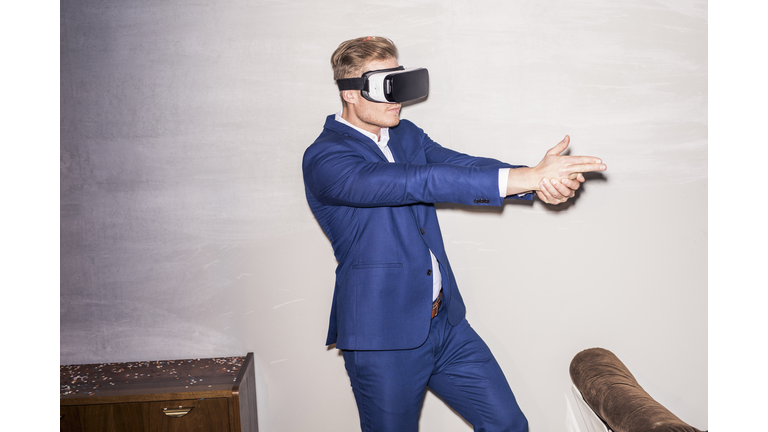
(522, 180)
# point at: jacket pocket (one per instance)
(376, 265)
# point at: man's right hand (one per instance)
(556, 178)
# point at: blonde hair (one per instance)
(351, 56)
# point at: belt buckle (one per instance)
(436, 304)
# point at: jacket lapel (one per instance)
(396, 147)
(342, 129)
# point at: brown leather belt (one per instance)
(436, 304)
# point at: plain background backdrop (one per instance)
(184, 233)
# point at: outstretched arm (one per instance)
(556, 178)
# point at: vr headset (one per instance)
(389, 85)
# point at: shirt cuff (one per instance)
(503, 179)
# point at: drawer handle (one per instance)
(180, 412)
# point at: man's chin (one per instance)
(392, 120)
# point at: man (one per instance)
(371, 181)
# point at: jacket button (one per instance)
(475, 201)
(429, 272)
(422, 231)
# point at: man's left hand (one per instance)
(558, 191)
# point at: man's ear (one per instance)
(350, 96)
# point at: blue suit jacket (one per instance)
(381, 222)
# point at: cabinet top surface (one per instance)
(150, 377)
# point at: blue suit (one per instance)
(381, 221)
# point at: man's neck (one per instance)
(354, 120)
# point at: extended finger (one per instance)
(585, 167)
(560, 147)
(577, 160)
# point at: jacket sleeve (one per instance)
(439, 154)
(337, 174)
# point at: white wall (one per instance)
(185, 231)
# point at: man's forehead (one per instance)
(380, 64)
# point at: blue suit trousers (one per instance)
(454, 362)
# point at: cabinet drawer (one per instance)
(206, 415)
(128, 417)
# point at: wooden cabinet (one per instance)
(192, 395)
